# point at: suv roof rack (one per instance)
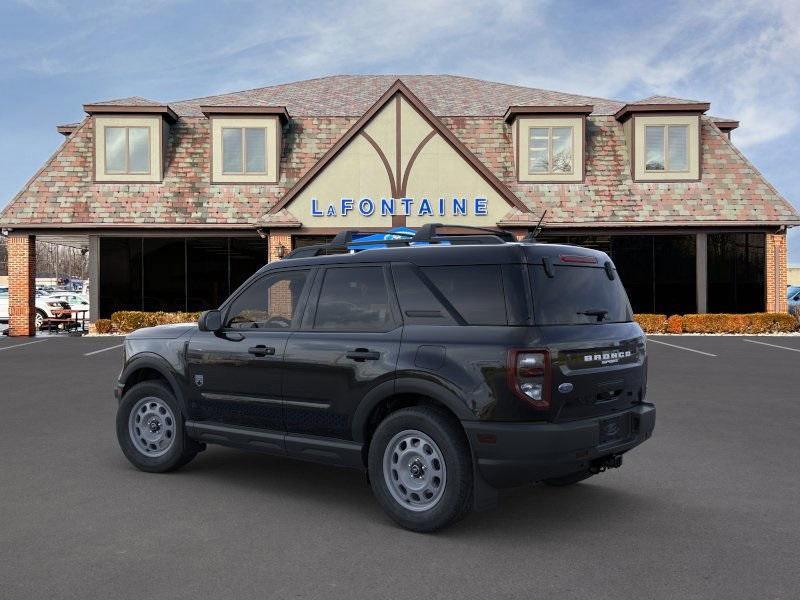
(430, 233)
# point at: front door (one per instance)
(348, 344)
(236, 374)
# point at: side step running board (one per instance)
(306, 447)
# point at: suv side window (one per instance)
(475, 291)
(268, 303)
(353, 299)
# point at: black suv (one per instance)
(446, 365)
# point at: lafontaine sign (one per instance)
(367, 207)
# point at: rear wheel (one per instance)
(420, 469)
(150, 429)
(39, 318)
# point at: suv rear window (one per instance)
(578, 295)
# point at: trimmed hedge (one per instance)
(652, 323)
(130, 320)
(103, 326)
(719, 323)
(125, 321)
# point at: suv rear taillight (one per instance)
(529, 376)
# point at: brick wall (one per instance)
(776, 273)
(278, 238)
(21, 284)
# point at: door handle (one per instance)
(362, 354)
(261, 350)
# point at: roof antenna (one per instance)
(531, 237)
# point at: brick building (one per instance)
(178, 203)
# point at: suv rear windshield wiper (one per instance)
(594, 312)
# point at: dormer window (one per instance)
(127, 150)
(666, 148)
(244, 150)
(245, 143)
(550, 150)
(129, 140)
(548, 142)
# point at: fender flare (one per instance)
(406, 385)
(149, 360)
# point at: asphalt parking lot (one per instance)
(708, 508)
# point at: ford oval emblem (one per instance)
(565, 388)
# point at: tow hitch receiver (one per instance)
(607, 462)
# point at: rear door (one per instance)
(348, 344)
(597, 352)
(235, 375)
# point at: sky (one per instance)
(739, 55)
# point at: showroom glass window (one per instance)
(127, 150)
(666, 148)
(244, 150)
(550, 150)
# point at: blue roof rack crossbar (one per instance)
(430, 233)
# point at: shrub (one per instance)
(675, 324)
(103, 326)
(652, 323)
(126, 321)
(747, 323)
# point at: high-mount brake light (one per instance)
(577, 258)
(529, 376)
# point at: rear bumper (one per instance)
(510, 454)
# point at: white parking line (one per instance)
(771, 345)
(681, 347)
(20, 345)
(104, 349)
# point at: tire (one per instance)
(39, 318)
(160, 443)
(570, 479)
(440, 451)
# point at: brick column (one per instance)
(775, 272)
(21, 284)
(278, 238)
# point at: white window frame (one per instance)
(550, 170)
(520, 133)
(244, 171)
(127, 129)
(665, 148)
(272, 155)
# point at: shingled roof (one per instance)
(731, 191)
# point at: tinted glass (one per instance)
(247, 256)
(567, 297)
(207, 283)
(231, 150)
(164, 276)
(268, 303)
(417, 303)
(353, 299)
(675, 274)
(255, 149)
(121, 275)
(736, 272)
(476, 292)
(138, 150)
(115, 150)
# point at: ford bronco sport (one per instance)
(446, 364)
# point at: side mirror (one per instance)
(210, 320)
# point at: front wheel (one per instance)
(150, 429)
(420, 468)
